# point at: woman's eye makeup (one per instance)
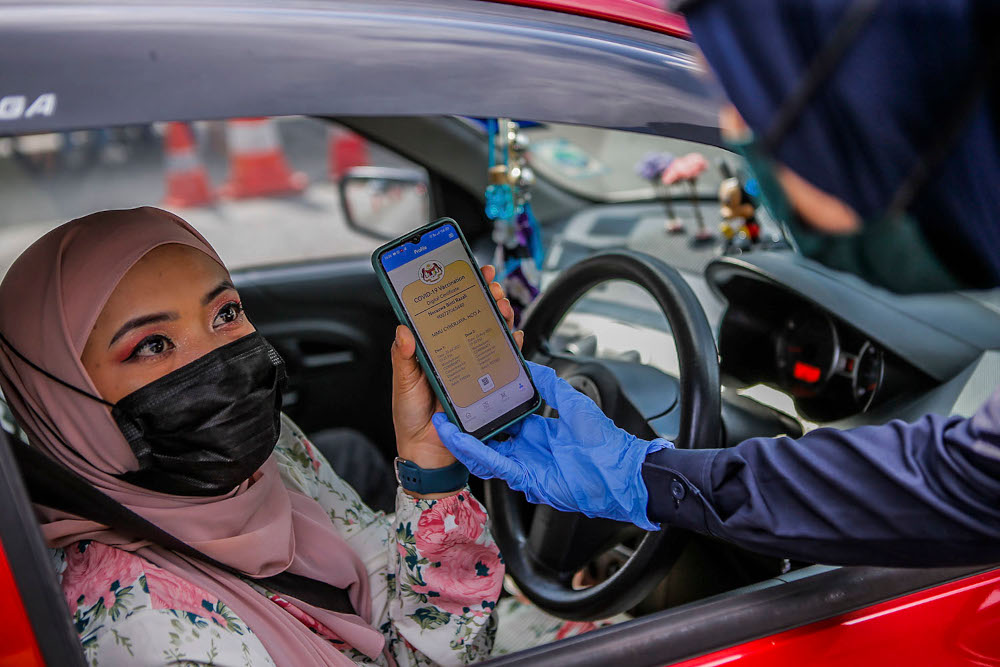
(229, 313)
(156, 345)
(153, 345)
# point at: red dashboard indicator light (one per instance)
(806, 372)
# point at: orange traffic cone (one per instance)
(187, 180)
(257, 166)
(346, 149)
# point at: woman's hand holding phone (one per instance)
(413, 400)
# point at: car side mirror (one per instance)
(384, 202)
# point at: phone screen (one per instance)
(461, 333)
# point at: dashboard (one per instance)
(792, 334)
(829, 368)
(839, 347)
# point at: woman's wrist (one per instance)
(425, 457)
(424, 448)
(431, 457)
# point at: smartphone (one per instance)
(463, 344)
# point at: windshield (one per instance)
(603, 165)
(618, 320)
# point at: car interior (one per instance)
(705, 344)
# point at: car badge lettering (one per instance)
(14, 107)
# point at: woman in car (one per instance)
(127, 358)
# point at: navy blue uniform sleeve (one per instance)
(920, 494)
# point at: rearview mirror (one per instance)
(384, 202)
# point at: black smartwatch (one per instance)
(430, 480)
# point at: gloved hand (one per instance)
(580, 462)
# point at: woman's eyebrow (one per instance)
(141, 321)
(216, 291)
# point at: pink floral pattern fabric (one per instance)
(435, 576)
(118, 600)
(446, 525)
(94, 572)
(523, 625)
(448, 537)
(92, 569)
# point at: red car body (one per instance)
(627, 12)
(17, 640)
(953, 624)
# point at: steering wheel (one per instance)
(543, 557)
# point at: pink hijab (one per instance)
(49, 301)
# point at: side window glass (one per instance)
(262, 190)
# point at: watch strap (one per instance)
(431, 480)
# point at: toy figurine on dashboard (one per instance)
(739, 226)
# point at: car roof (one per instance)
(72, 65)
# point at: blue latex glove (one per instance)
(580, 462)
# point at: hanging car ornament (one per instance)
(508, 203)
(499, 193)
(688, 168)
(651, 168)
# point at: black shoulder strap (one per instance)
(58, 487)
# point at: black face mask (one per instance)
(206, 427)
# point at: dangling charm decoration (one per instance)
(687, 168)
(499, 193)
(508, 203)
(651, 168)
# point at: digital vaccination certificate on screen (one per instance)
(460, 332)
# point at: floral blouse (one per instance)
(435, 576)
